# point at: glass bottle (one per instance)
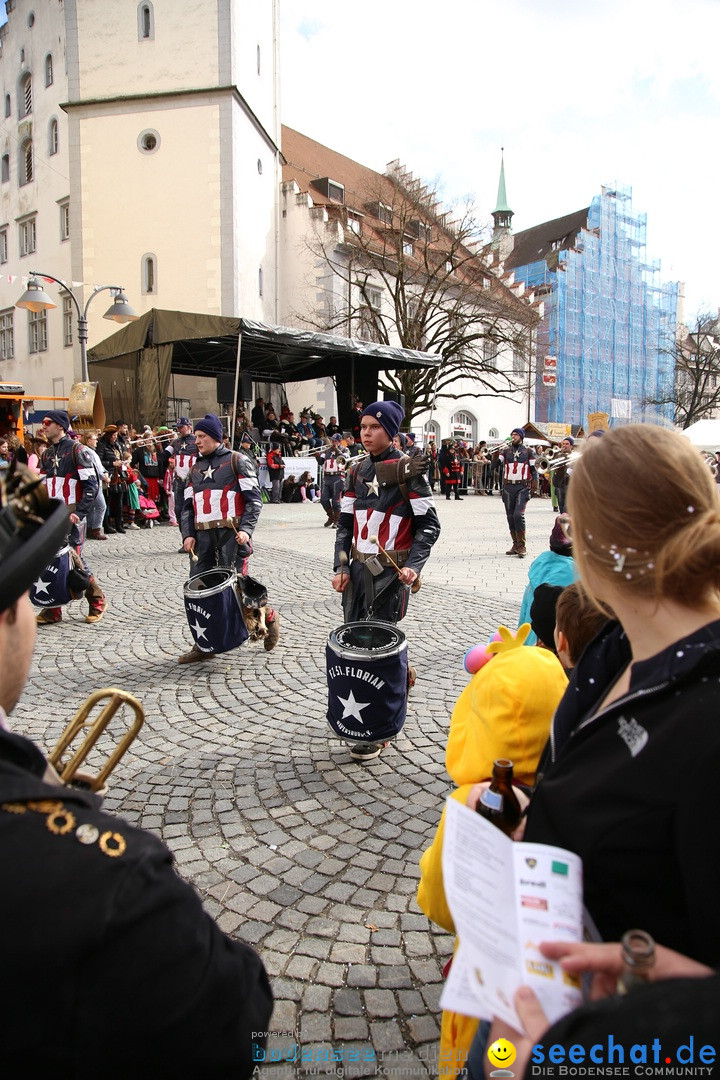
(638, 954)
(499, 803)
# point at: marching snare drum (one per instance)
(367, 681)
(51, 588)
(213, 611)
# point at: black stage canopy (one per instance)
(134, 365)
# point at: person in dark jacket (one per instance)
(635, 746)
(93, 907)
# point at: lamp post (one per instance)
(36, 299)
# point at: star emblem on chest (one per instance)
(56, 463)
(373, 488)
(208, 474)
(182, 446)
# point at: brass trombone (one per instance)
(68, 770)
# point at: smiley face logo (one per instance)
(501, 1054)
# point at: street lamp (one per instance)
(36, 299)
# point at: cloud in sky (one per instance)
(578, 94)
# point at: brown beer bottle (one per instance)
(499, 803)
(638, 953)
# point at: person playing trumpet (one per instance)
(130, 946)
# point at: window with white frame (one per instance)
(370, 314)
(53, 136)
(37, 325)
(67, 315)
(26, 162)
(146, 22)
(3, 245)
(26, 97)
(5, 168)
(407, 245)
(489, 351)
(27, 236)
(49, 70)
(7, 335)
(65, 220)
(354, 222)
(336, 191)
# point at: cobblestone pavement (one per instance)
(293, 846)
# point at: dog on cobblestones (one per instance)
(253, 600)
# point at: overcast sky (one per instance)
(580, 95)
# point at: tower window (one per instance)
(26, 95)
(8, 105)
(5, 168)
(53, 138)
(65, 221)
(260, 281)
(27, 236)
(149, 273)
(49, 70)
(148, 141)
(146, 22)
(26, 162)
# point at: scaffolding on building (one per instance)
(608, 319)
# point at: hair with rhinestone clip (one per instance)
(645, 515)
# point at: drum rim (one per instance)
(196, 594)
(368, 654)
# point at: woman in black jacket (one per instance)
(635, 743)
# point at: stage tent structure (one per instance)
(705, 434)
(134, 365)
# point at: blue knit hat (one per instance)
(211, 425)
(388, 413)
(518, 431)
(58, 417)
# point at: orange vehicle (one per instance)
(15, 407)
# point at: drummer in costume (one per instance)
(220, 510)
(387, 497)
(142, 978)
(69, 474)
(333, 480)
(183, 451)
(518, 463)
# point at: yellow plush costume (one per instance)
(503, 712)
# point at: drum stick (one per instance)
(342, 559)
(374, 540)
(416, 583)
(193, 556)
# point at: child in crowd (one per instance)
(577, 621)
(503, 712)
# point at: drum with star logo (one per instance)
(213, 610)
(52, 588)
(367, 681)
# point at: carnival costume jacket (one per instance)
(518, 464)
(631, 789)
(219, 492)
(107, 955)
(184, 452)
(374, 504)
(70, 475)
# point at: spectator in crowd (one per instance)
(577, 622)
(39, 445)
(552, 567)
(5, 455)
(332, 427)
(97, 512)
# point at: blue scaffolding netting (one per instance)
(609, 321)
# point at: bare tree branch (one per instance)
(695, 394)
(411, 277)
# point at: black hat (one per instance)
(58, 417)
(27, 545)
(542, 613)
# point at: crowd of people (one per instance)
(607, 716)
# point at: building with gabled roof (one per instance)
(359, 249)
(606, 340)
